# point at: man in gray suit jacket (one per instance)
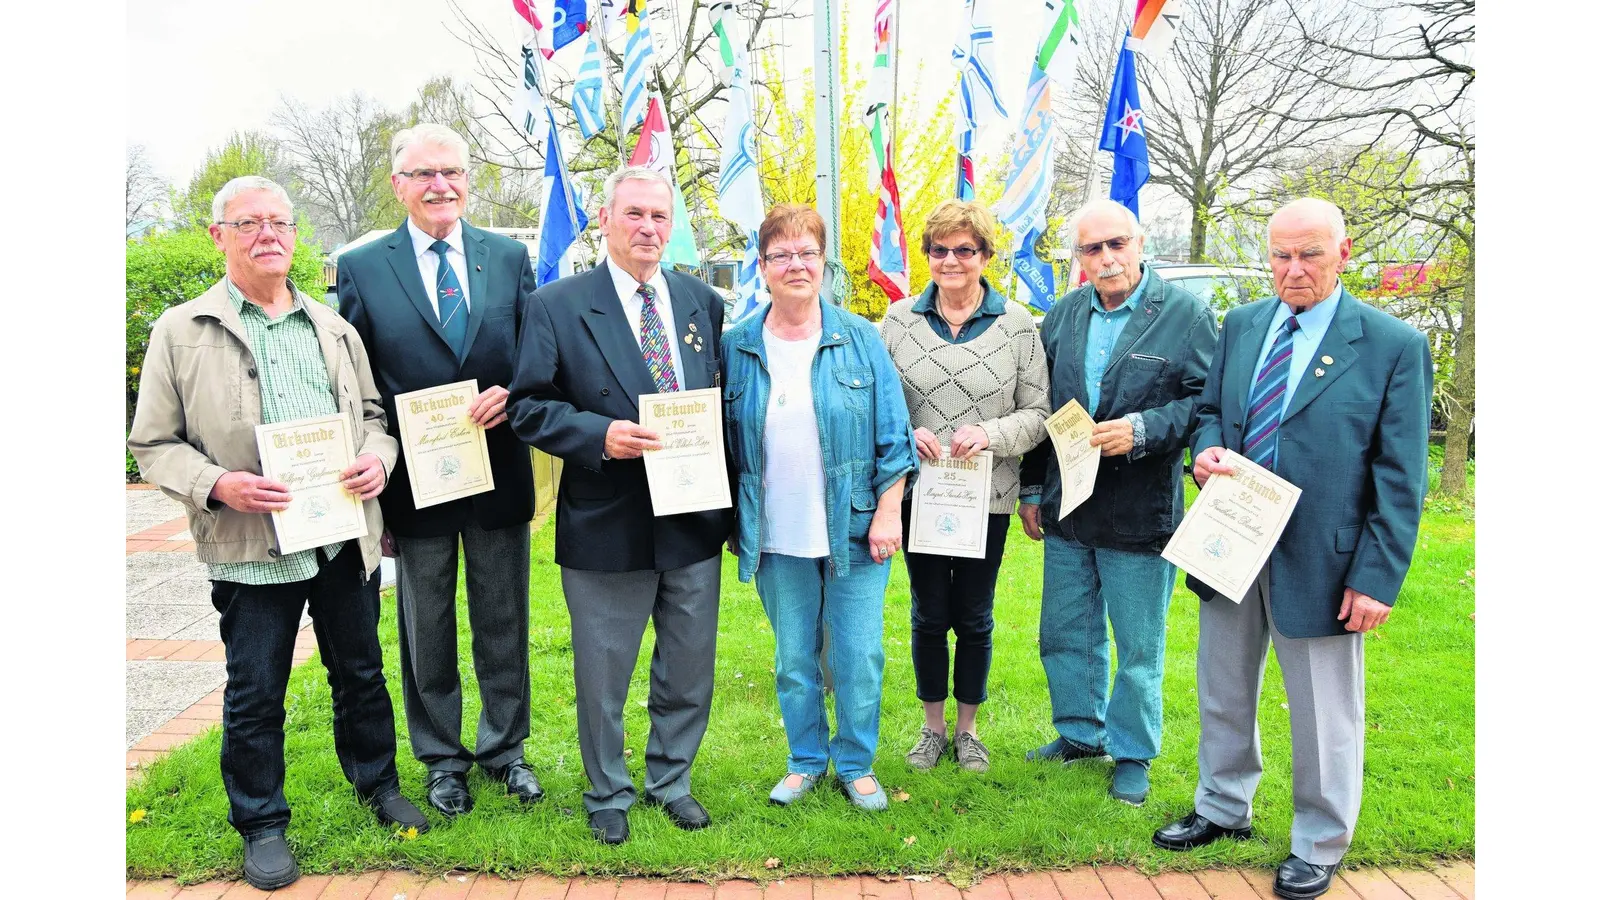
(1334, 396)
(591, 344)
(437, 302)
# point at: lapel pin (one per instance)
(692, 329)
(480, 268)
(1321, 372)
(688, 339)
(1327, 360)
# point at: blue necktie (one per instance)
(452, 302)
(1266, 400)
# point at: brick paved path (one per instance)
(164, 599)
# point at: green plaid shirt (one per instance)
(294, 385)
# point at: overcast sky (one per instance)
(199, 70)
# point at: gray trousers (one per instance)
(609, 611)
(1325, 681)
(497, 609)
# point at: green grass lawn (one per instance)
(1418, 802)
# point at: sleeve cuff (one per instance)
(1137, 421)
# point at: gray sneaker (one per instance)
(930, 746)
(971, 754)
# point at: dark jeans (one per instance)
(258, 630)
(952, 592)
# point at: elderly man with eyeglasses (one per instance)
(1134, 352)
(254, 350)
(439, 301)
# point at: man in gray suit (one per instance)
(1334, 396)
(590, 345)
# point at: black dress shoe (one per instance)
(394, 809)
(685, 812)
(519, 780)
(1195, 830)
(610, 826)
(1300, 880)
(447, 792)
(268, 864)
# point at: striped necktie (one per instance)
(653, 342)
(452, 306)
(1266, 400)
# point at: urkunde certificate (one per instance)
(309, 456)
(1230, 531)
(447, 457)
(690, 471)
(1070, 428)
(950, 506)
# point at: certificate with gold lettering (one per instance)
(447, 457)
(950, 506)
(1230, 531)
(690, 471)
(310, 456)
(1070, 428)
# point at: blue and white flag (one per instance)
(568, 23)
(1123, 134)
(752, 293)
(739, 184)
(1036, 279)
(978, 102)
(1032, 163)
(562, 218)
(638, 67)
(588, 92)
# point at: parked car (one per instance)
(1221, 287)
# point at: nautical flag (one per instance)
(886, 263)
(638, 66)
(880, 87)
(525, 9)
(613, 18)
(1155, 26)
(1123, 134)
(739, 184)
(540, 36)
(562, 218)
(568, 23)
(1027, 189)
(531, 111)
(752, 293)
(730, 39)
(978, 103)
(1037, 279)
(588, 92)
(1062, 41)
(655, 151)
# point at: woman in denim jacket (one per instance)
(820, 444)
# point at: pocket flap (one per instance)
(854, 376)
(1344, 539)
(863, 500)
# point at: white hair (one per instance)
(219, 203)
(1313, 208)
(630, 173)
(425, 133)
(1099, 205)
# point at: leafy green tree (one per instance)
(244, 153)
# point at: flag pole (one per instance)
(826, 125)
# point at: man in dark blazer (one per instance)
(1134, 352)
(1334, 396)
(590, 345)
(435, 302)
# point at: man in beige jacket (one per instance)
(254, 350)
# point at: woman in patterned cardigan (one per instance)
(974, 376)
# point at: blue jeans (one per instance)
(799, 594)
(258, 628)
(1082, 586)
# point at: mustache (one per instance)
(435, 195)
(1111, 271)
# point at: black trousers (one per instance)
(258, 627)
(954, 593)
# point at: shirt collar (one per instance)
(237, 298)
(993, 304)
(1315, 318)
(422, 242)
(627, 285)
(1130, 304)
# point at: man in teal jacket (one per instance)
(1334, 396)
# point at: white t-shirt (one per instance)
(794, 521)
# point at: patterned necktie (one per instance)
(1266, 400)
(452, 302)
(653, 343)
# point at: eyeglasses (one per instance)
(248, 227)
(962, 252)
(450, 173)
(1114, 244)
(782, 258)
